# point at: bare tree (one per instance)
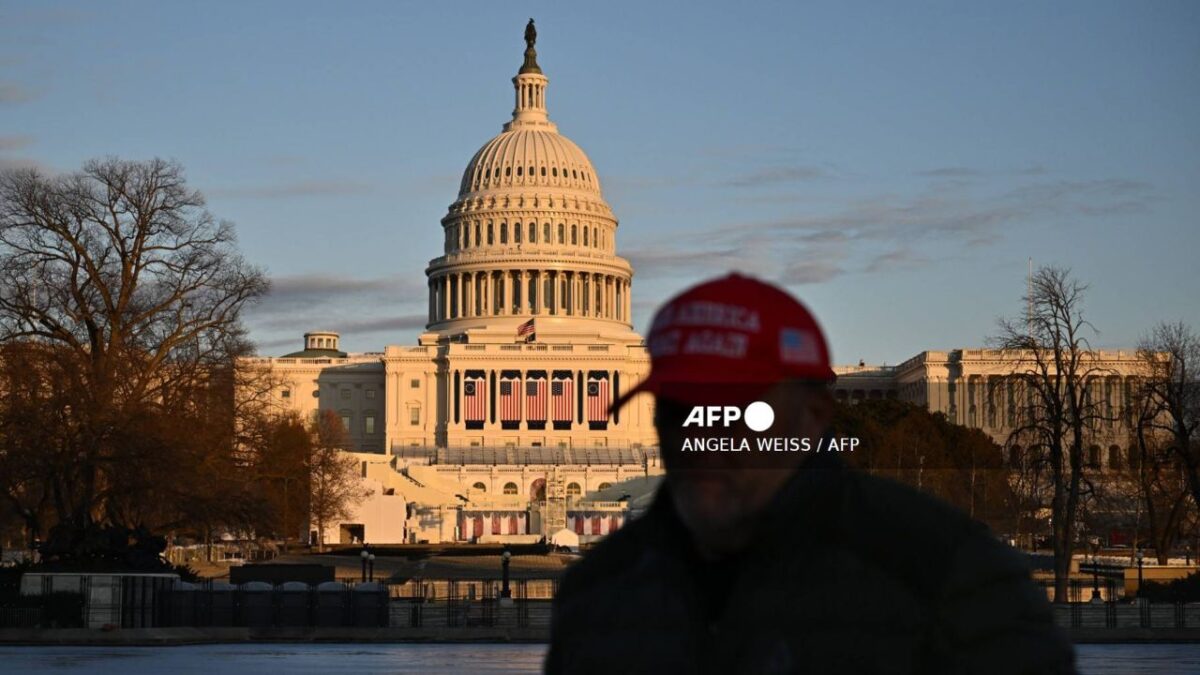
(1172, 384)
(283, 451)
(1160, 475)
(1146, 491)
(1054, 363)
(135, 293)
(334, 483)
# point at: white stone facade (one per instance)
(529, 303)
(979, 388)
(528, 342)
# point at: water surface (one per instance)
(398, 659)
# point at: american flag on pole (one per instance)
(475, 399)
(535, 400)
(597, 400)
(510, 400)
(525, 330)
(561, 391)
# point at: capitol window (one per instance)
(516, 233)
(574, 235)
(546, 232)
(507, 171)
(286, 393)
(414, 384)
(346, 422)
(533, 233)
(562, 230)
(414, 415)
(480, 486)
(510, 488)
(573, 490)
(519, 170)
(345, 394)
(554, 172)
(489, 234)
(543, 171)
(369, 424)
(585, 237)
(503, 233)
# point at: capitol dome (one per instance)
(530, 239)
(529, 158)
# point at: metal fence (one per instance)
(21, 617)
(1081, 590)
(157, 602)
(431, 590)
(1102, 604)
(464, 603)
(261, 605)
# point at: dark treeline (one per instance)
(124, 414)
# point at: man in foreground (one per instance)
(785, 561)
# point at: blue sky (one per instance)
(894, 164)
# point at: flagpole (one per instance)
(1029, 298)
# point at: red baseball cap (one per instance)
(736, 331)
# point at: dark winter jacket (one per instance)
(848, 574)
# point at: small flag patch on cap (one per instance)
(797, 346)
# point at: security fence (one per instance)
(1102, 603)
(258, 604)
(468, 603)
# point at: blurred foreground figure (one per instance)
(785, 561)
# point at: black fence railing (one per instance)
(468, 603)
(432, 590)
(143, 602)
(1102, 603)
(261, 605)
(1081, 590)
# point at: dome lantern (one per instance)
(530, 85)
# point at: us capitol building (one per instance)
(495, 426)
(502, 406)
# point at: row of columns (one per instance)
(459, 238)
(531, 95)
(993, 401)
(520, 292)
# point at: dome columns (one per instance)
(530, 108)
(529, 292)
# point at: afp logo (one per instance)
(759, 416)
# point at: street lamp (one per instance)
(505, 592)
(1095, 569)
(364, 555)
(1141, 560)
(371, 567)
